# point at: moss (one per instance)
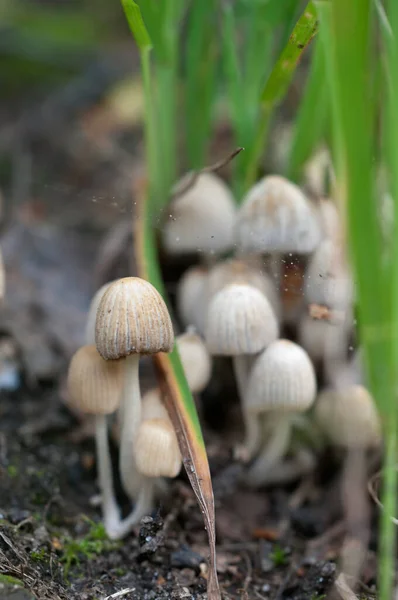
(94, 543)
(7, 579)
(12, 471)
(39, 555)
(279, 556)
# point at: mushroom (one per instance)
(192, 297)
(95, 387)
(132, 319)
(276, 218)
(350, 421)
(282, 382)
(155, 454)
(330, 220)
(201, 219)
(196, 360)
(318, 172)
(328, 279)
(241, 323)
(248, 270)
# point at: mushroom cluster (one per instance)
(269, 285)
(128, 318)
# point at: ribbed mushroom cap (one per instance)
(349, 417)
(2, 277)
(282, 379)
(196, 361)
(94, 385)
(276, 217)
(92, 313)
(248, 271)
(156, 450)
(192, 297)
(328, 281)
(240, 320)
(132, 318)
(202, 219)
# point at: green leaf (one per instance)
(277, 85)
(136, 24)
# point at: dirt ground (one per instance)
(66, 230)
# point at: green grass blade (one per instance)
(376, 276)
(310, 122)
(232, 72)
(136, 24)
(277, 85)
(200, 80)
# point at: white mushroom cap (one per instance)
(156, 451)
(282, 379)
(328, 280)
(249, 271)
(152, 406)
(92, 313)
(240, 320)
(312, 334)
(202, 219)
(277, 217)
(195, 359)
(192, 297)
(349, 417)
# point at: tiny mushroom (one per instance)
(282, 382)
(195, 359)
(94, 387)
(192, 297)
(132, 319)
(200, 219)
(92, 313)
(241, 323)
(277, 218)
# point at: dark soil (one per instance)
(67, 231)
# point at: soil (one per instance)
(66, 231)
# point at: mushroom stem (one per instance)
(252, 439)
(143, 506)
(130, 421)
(272, 451)
(291, 469)
(276, 267)
(110, 509)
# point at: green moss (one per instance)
(12, 471)
(39, 555)
(7, 579)
(94, 543)
(279, 556)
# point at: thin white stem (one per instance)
(252, 439)
(272, 451)
(291, 469)
(143, 507)
(110, 509)
(276, 266)
(130, 421)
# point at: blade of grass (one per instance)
(200, 80)
(311, 118)
(375, 274)
(277, 85)
(177, 396)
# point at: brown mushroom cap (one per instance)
(132, 318)
(94, 385)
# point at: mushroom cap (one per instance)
(277, 217)
(317, 170)
(196, 361)
(240, 320)
(312, 334)
(94, 385)
(152, 406)
(349, 417)
(328, 280)
(192, 297)
(132, 318)
(92, 313)
(282, 379)
(249, 271)
(156, 450)
(201, 219)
